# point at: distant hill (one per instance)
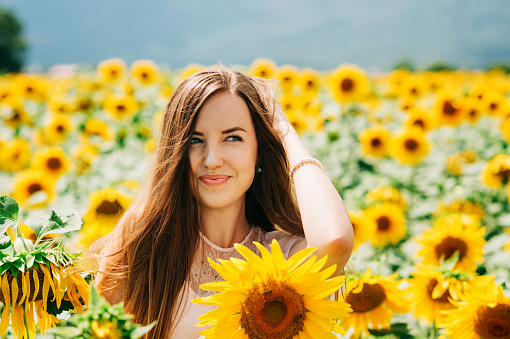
(322, 34)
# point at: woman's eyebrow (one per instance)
(230, 130)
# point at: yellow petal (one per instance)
(225, 298)
(327, 308)
(6, 313)
(299, 257)
(217, 314)
(14, 291)
(36, 284)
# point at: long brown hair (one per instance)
(153, 245)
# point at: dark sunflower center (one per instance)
(419, 122)
(493, 322)
(411, 145)
(32, 188)
(383, 223)
(448, 108)
(369, 298)
(493, 106)
(109, 207)
(263, 73)
(145, 75)
(85, 104)
(473, 112)
(430, 287)
(375, 142)
(347, 85)
(54, 163)
(60, 128)
(414, 90)
(272, 311)
(113, 72)
(30, 89)
(121, 108)
(449, 246)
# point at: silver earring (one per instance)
(258, 169)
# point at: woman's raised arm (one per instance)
(325, 220)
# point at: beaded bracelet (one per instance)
(301, 163)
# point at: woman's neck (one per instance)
(224, 227)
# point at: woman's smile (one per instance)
(214, 180)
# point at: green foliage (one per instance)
(503, 66)
(12, 45)
(440, 66)
(101, 316)
(405, 64)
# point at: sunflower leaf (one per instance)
(67, 332)
(65, 305)
(9, 211)
(45, 225)
(138, 332)
(5, 241)
(4, 267)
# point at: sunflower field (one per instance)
(421, 160)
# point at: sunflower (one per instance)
(105, 209)
(309, 81)
(388, 222)
(270, 297)
(362, 231)
(150, 146)
(120, 108)
(15, 155)
(52, 161)
(448, 110)
(29, 292)
(58, 128)
(453, 233)
(375, 141)
(13, 113)
(410, 146)
(348, 83)
(374, 300)
(111, 70)
(494, 103)
(496, 171)
(472, 109)
(387, 194)
(467, 207)
(145, 72)
(414, 86)
(97, 131)
(191, 69)
(288, 76)
(396, 79)
(262, 68)
(455, 162)
(31, 87)
(83, 157)
(480, 313)
(59, 104)
(431, 289)
(420, 118)
(33, 188)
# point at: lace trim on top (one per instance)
(201, 270)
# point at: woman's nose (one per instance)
(212, 157)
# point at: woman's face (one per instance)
(223, 152)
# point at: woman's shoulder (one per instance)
(289, 243)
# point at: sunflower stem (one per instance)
(433, 331)
(25, 318)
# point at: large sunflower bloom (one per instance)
(309, 81)
(420, 118)
(480, 313)
(111, 70)
(496, 171)
(270, 297)
(388, 222)
(15, 155)
(262, 68)
(145, 71)
(410, 146)
(453, 233)
(348, 83)
(448, 110)
(58, 128)
(52, 161)
(30, 292)
(375, 141)
(374, 300)
(33, 188)
(13, 113)
(431, 290)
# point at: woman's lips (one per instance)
(214, 180)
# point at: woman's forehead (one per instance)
(224, 110)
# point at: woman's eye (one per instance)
(195, 141)
(234, 138)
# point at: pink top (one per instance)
(202, 272)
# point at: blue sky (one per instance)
(319, 34)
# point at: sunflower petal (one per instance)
(6, 313)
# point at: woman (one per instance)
(219, 176)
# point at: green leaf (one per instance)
(4, 267)
(67, 332)
(9, 210)
(64, 306)
(54, 224)
(5, 241)
(138, 332)
(95, 298)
